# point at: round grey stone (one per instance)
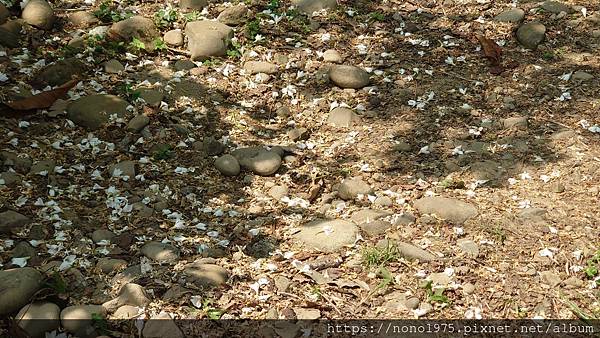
(333, 56)
(193, 5)
(94, 110)
(174, 38)
(227, 165)
(11, 221)
(446, 208)
(130, 294)
(350, 188)
(113, 66)
(160, 252)
(327, 235)
(79, 319)
(531, 34)
(138, 122)
(83, 19)
(345, 76)
(38, 318)
(343, 117)
(234, 15)
(38, 13)
(16, 288)
(255, 67)
(511, 15)
(206, 275)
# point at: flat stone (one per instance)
(130, 294)
(174, 38)
(410, 251)
(345, 76)
(110, 265)
(255, 67)
(282, 283)
(39, 14)
(23, 249)
(550, 278)
(333, 56)
(258, 160)
(206, 275)
(449, 209)
(137, 27)
(46, 166)
(79, 319)
(16, 288)
(327, 235)
(278, 192)
(207, 38)
(160, 252)
(468, 246)
(129, 275)
(368, 215)
(515, 122)
(38, 318)
(582, 76)
(531, 34)
(83, 19)
(102, 235)
(126, 312)
(311, 6)
(137, 123)
(403, 219)
(228, 165)
(4, 14)
(532, 214)
(511, 15)
(350, 188)
(152, 97)
(123, 168)
(556, 7)
(94, 110)
(234, 15)
(193, 5)
(383, 201)
(113, 66)
(343, 117)
(468, 288)
(8, 38)
(58, 73)
(185, 65)
(12, 221)
(573, 282)
(161, 326)
(375, 228)
(440, 278)
(306, 313)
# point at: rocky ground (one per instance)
(313, 159)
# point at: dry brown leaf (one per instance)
(44, 99)
(491, 50)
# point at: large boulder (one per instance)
(207, 38)
(94, 110)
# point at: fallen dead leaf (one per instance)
(491, 50)
(44, 99)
